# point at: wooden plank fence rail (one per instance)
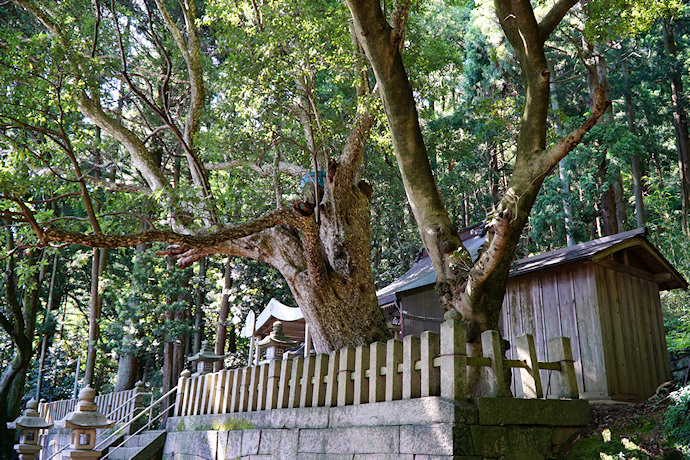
(120, 407)
(430, 365)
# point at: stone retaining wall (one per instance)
(680, 363)
(421, 429)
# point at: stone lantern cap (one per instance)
(277, 337)
(205, 354)
(31, 419)
(86, 415)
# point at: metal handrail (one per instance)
(139, 430)
(143, 411)
(121, 428)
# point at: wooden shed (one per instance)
(603, 294)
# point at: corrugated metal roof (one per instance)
(423, 274)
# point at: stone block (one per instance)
(383, 457)
(436, 439)
(269, 442)
(490, 441)
(446, 457)
(203, 444)
(362, 440)
(287, 447)
(230, 445)
(550, 412)
(523, 456)
(311, 441)
(523, 439)
(250, 442)
(561, 435)
(429, 410)
(308, 456)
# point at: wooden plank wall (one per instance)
(422, 303)
(553, 303)
(632, 322)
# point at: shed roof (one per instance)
(646, 255)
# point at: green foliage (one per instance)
(621, 18)
(613, 443)
(677, 420)
(231, 424)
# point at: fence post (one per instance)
(429, 375)
(453, 358)
(284, 384)
(263, 382)
(207, 393)
(181, 389)
(296, 376)
(236, 392)
(332, 383)
(411, 385)
(346, 387)
(228, 382)
(272, 389)
(307, 391)
(565, 380)
(531, 380)
(220, 391)
(394, 355)
(377, 382)
(320, 372)
(137, 406)
(244, 391)
(253, 387)
(491, 347)
(361, 391)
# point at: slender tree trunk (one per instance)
(680, 123)
(222, 329)
(198, 307)
(563, 171)
(94, 317)
(44, 341)
(635, 159)
(20, 326)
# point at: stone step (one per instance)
(143, 439)
(124, 453)
(145, 446)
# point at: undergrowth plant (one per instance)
(677, 420)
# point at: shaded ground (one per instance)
(624, 431)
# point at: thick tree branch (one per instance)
(353, 150)
(569, 142)
(284, 216)
(554, 17)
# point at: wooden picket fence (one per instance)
(431, 365)
(121, 406)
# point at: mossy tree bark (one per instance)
(475, 289)
(322, 249)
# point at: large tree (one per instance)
(477, 288)
(136, 71)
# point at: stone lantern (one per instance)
(84, 422)
(205, 359)
(277, 342)
(29, 424)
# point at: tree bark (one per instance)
(476, 290)
(680, 123)
(635, 159)
(20, 326)
(222, 329)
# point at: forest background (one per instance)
(282, 80)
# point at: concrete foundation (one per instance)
(418, 429)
